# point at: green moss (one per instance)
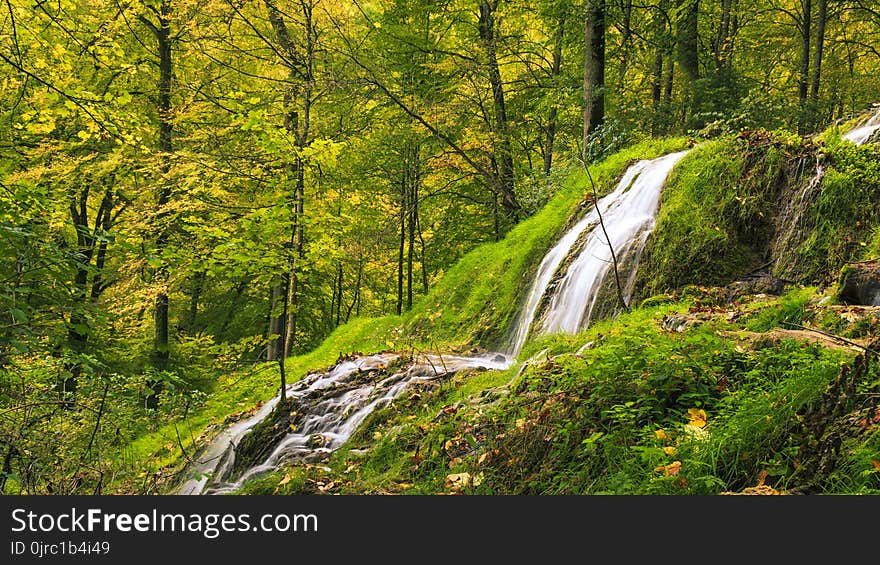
(715, 219)
(843, 220)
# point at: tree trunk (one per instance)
(357, 290)
(723, 35)
(233, 306)
(422, 254)
(821, 20)
(502, 149)
(339, 282)
(625, 43)
(402, 241)
(661, 41)
(87, 243)
(104, 219)
(300, 76)
(160, 353)
(555, 72)
(688, 39)
(198, 283)
(412, 165)
(804, 74)
(594, 70)
(276, 297)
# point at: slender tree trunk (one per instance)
(276, 297)
(661, 41)
(410, 250)
(404, 203)
(300, 76)
(821, 20)
(162, 31)
(501, 128)
(555, 72)
(198, 283)
(688, 38)
(281, 360)
(422, 254)
(233, 307)
(105, 221)
(87, 243)
(804, 74)
(339, 281)
(357, 289)
(594, 70)
(625, 43)
(722, 37)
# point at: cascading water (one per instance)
(629, 215)
(862, 133)
(331, 405)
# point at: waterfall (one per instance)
(329, 406)
(629, 215)
(862, 133)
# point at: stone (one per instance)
(860, 284)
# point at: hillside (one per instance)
(737, 370)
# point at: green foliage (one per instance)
(790, 311)
(714, 217)
(844, 216)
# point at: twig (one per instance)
(832, 336)
(180, 443)
(440, 355)
(620, 297)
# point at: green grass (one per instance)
(611, 420)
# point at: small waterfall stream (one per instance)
(629, 214)
(861, 134)
(329, 406)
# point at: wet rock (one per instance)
(762, 284)
(860, 284)
(677, 323)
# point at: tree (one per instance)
(594, 69)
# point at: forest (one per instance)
(205, 202)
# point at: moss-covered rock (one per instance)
(860, 284)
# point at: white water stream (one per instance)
(335, 403)
(860, 135)
(629, 214)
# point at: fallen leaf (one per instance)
(669, 450)
(457, 481)
(697, 417)
(285, 479)
(876, 465)
(661, 434)
(670, 470)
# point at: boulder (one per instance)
(860, 284)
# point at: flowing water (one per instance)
(330, 406)
(629, 214)
(862, 133)
(333, 404)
